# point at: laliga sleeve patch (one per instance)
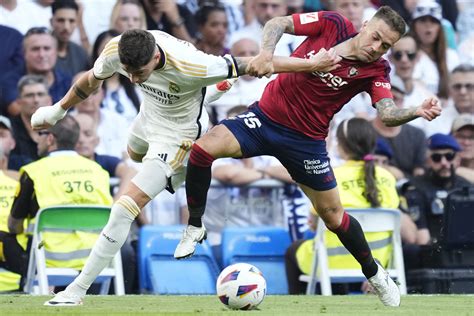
(309, 18)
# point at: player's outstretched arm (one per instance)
(324, 60)
(392, 115)
(47, 116)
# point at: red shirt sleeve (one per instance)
(315, 23)
(380, 89)
(308, 23)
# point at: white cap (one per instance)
(5, 121)
(428, 8)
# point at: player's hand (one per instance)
(429, 109)
(326, 60)
(261, 65)
(47, 116)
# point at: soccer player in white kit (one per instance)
(173, 76)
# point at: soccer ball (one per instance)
(241, 286)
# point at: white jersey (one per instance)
(173, 94)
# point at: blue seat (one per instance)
(161, 273)
(261, 246)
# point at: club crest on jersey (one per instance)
(174, 87)
(353, 72)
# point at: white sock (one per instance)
(110, 241)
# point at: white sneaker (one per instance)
(191, 236)
(386, 289)
(64, 299)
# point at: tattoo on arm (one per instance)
(392, 115)
(274, 29)
(80, 93)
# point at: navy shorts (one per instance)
(306, 159)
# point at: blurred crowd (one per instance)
(47, 44)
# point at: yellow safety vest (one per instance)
(351, 185)
(9, 281)
(65, 180)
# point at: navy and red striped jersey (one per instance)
(306, 102)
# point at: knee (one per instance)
(332, 216)
(135, 156)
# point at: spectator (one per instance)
(111, 127)
(461, 90)
(246, 90)
(212, 26)
(362, 185)
(11, 55)
(407, 142)
(351, 9)
(7, 142)
(9, 281)
(33, 93)
(170, 17)
(383, 155)
(50, 181)
(72, 58)
(19, 15)
(40, 50)
(264, 11)
(120, 94)
(436, 60)
(127, 15)
(404, 55)
(425, 195)
(463, 131)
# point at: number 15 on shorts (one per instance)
(250, 120)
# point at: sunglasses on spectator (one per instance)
(37, 30)
(459, 86)
(447, 156)
(398, 55)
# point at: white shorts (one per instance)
(167, 145)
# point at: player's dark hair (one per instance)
(136, 48)
(357, 138)
(64, 4)
(392, 18)
(124, 81)
(66, 132)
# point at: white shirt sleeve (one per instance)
(108, 62)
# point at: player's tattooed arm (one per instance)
(392, 115)
(274, 29)
(242, 63)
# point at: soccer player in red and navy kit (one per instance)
(291, 121)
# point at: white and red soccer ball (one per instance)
(241, 286)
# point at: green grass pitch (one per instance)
(353, 305)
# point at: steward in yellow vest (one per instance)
(62, 177)
(9, 281)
